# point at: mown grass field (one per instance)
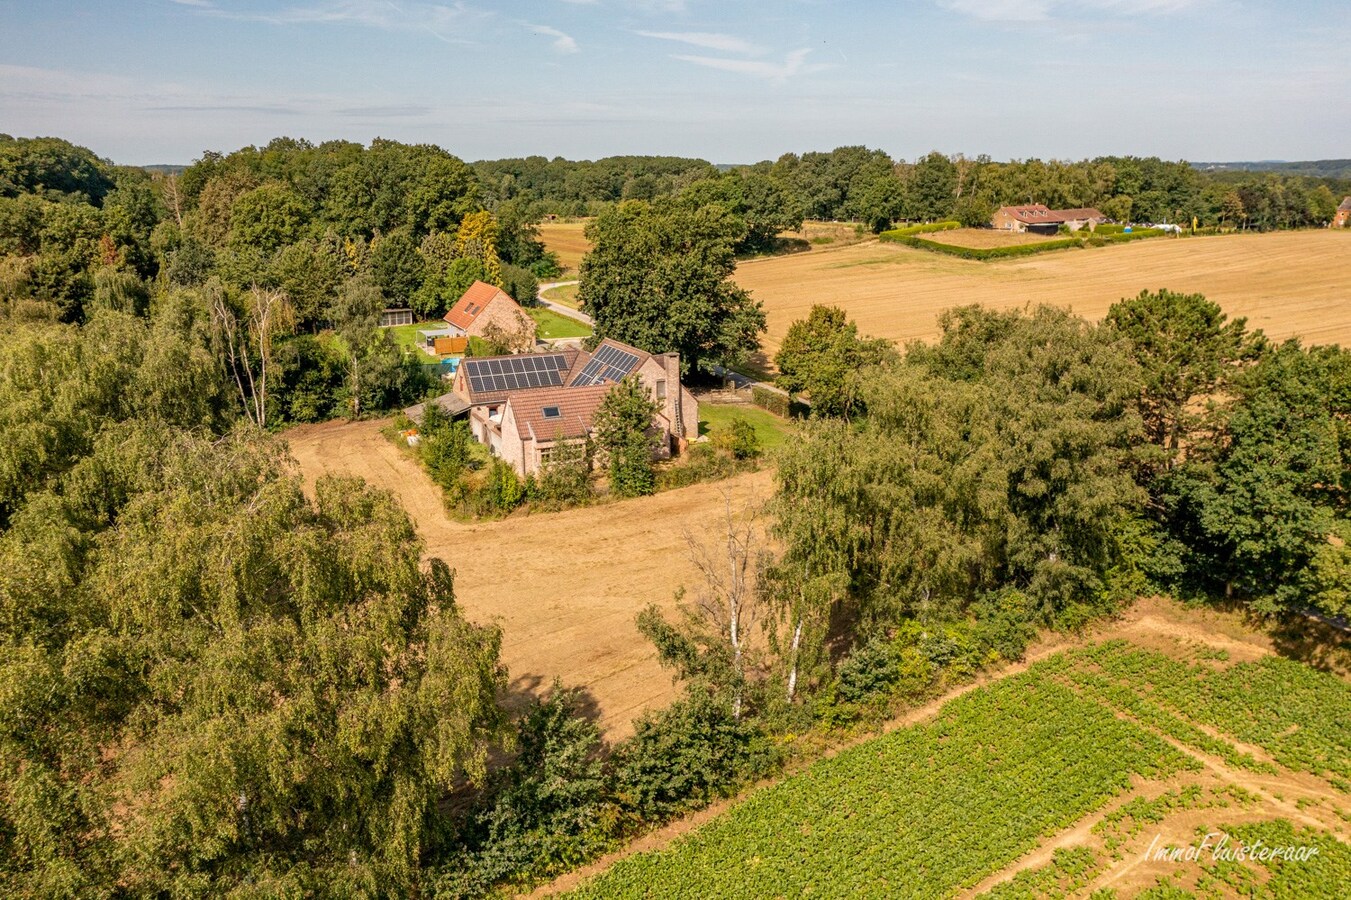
(770, 430)
(1053, 782)
(406, 336)
(552, 325)
(1287, 283)
(565, 294)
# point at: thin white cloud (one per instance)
(793, 64)
(195, 4)
(725, 43)
(563, 43)
(441, 20)
(1047, 10)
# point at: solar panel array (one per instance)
(514, 373)
(608, 364)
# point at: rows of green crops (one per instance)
(1297, 714)
(1325, 875)
(920, 812)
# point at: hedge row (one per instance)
(777, 403)
(895, 233)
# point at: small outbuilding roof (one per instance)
(452, 404)
(1345, 205)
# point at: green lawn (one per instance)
(565, 294)
(553, 325)
(769, 428)
(406, 336)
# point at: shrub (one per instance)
(545, 813)
(701, 462)
(688, 754)
(883, 668)
(502, 491)
(928, 228)
(566, 478)
(737, 438)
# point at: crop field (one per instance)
(565, 587)
(1055, 782)
(567, 240)
(1286, 283)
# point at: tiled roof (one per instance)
(1036, 213)
(570, 411)
(1346, 204)
(1032, 212)
(1083, 212)
(473, 302)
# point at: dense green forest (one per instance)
(864, 185)
(214, 683)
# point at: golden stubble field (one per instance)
(568, 241)
(1286, 283)
(1289, 283)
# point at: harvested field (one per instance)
(1286, 283)
(984, 238)
(564, 587)
(567, 240)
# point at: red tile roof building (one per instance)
(1342, 219)
(485, 310)
(1043, 218)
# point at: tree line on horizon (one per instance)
(860, 184)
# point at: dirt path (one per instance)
(564, 587)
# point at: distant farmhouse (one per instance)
(525, 405)
(1040, 219)
(1343, 217)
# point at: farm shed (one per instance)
(451, 404)
(396, 315)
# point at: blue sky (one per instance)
(730, 81)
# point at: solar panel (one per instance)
(608, 364)
(514, 373)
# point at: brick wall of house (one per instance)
(508, 319)
(516, 449)
(1005, 222)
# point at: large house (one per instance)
(1041, 219)
(486, 311)
(525, 405)
(1343, 217)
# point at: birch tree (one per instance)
(710, 641)
(246, 344)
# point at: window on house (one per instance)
(661, 389)
(552, 412)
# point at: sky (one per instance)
(730, 81)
